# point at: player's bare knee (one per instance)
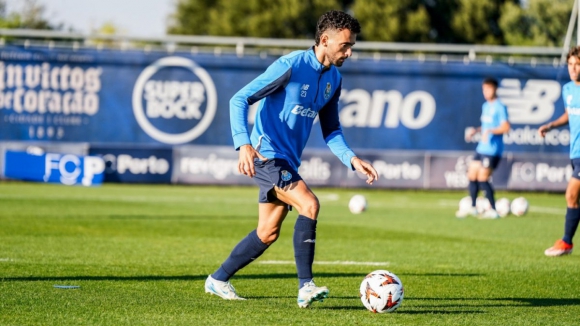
(268, 236)
(310, 208)
(572, 198)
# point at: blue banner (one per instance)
(65, 169)
(155, 98)
(135, 165)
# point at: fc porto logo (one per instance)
(174, 100)
(286, 176)
(327, 91)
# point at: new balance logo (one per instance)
(310, 240)
(303, 90)
(305, 112)
(534, 104)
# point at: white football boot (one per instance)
(310, 293)
(225, 290)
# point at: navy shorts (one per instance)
(487, 161)
(576, 168)
(273, 173)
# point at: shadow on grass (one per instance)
(179, 217)
(411, 311)
(513, 302)
(436, 312)
(203, 277)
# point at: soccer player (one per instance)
(294, 90)
(571, 96)
(494, 124)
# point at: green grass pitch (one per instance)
(141, 253)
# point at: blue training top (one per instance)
(571, 96)
(493, 114)
(296, 89)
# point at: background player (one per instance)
(571, 96)
(494, 123)
(295, 89)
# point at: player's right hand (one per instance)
(246, 160)
(544, 129)
(469, 133)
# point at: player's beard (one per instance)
(338, 61)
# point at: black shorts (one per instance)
(273, 173)
(487, 161)
(576, 167)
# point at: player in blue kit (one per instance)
(571, 97)
(294, 90)
(494, 124)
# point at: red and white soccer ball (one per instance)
(502, 207)
(381, 291)
(357, 204)
(519, 206)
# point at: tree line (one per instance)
(498, 22)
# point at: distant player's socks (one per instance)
(250, 248)
(473, 190)
(572, 219)
(304, 243)
(489, 193)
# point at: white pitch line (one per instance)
(338, 262)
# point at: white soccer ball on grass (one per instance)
(357, 204)
(482, 205)
(502, 207)
(381, 291)
(465, 204)
(519, 206)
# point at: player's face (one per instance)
(489, 92)
(338, 46)
(574, 68)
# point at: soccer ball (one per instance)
(357, 204)
(519, 206)
(465, 204)
(381, 291)
(502, 207)
(482, 205)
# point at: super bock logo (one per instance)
(174, 100)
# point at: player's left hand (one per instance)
(366, 169)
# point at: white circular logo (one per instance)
(192, 111)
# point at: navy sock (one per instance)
(572, 219)
(489, 193)
(250, 248)
(473, 190)
(304, 243)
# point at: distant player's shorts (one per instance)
(576, 168)
(487, 161)
(273, 173)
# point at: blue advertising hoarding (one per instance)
(135, 164)
(67, 169)
(155, 98)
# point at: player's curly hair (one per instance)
(335, 20)
(574, 52)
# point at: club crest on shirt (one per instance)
(286, 176)
(327, 91)
(569, 99)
